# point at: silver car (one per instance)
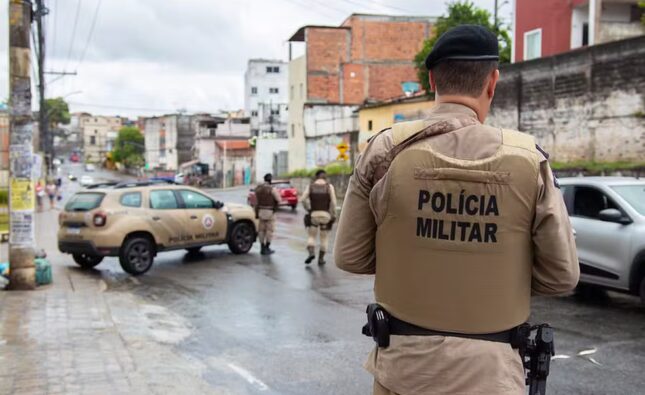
(608, 216)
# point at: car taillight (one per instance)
(100, 219)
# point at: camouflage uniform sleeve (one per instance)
(355, 250)
(555, 267)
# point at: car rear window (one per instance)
(283, 185)
(84, 201)
(131, 199)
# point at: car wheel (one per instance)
(293, 207)
(193, 250)
(242, 238)
(136, 255)
(87, 261)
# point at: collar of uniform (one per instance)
(452, 108)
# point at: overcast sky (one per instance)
(149, 57)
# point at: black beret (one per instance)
(464, 42)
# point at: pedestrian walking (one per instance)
(319, 199)
(267, 203)
(51, 189)
(460, 223)
(40, 195)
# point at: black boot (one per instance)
(312, 255)
(268, 250)
(321, 258)
(263, 249)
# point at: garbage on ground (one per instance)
(43, 271)
(4, 269)
(3, 282)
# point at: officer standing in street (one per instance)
(319, 199)
(267, 202)
(460, 222)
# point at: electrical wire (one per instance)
(113, 107)
(377, 4)
(71, 42)
(89, 36)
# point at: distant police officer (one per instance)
(267, 202)
(319, 199)
(460, 222)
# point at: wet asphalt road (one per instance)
(272, 325)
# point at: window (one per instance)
(273, 90)
(533, 44)
(369, 125)
(273, 69)
(254, 113)
(254, 90)
(585, 34)
(92, 140)
(194, 200)
(634, 195)
(131, 199)
(588, 202)
(163, 200)
(84, 201)
(275, 112)
(162, 153)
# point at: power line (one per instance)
(113, 107)
(308, 8)
(89, 36)
(376, 4)
(71, 42)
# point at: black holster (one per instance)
(307, 220)
(536, 355)
(377, 325)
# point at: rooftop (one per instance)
(416, 97)
(233, 144)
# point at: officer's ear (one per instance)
(492, 83)
(433, 86)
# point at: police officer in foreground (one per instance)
(460, 222)
(267, 200)
(319, 199)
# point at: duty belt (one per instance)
(398, 327)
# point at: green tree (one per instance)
(57, 111)
(129, 147)
(459, 13)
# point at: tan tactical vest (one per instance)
(454, 250)
(319, 197)
(264, 196)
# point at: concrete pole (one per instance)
(21, 187)
(595, 10)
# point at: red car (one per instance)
(287, 192)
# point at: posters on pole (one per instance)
(22, 228)
(37, 166)
(21, 160)
(22, 195)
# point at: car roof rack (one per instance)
(134, 184)
(102, 185)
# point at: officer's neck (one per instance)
(476, 104)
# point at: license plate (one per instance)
(73, 231)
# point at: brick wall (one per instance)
(368, 58)
(586, 104)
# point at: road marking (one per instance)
(560, 356)
(587, 352)
(246, 375)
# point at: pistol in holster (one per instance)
(536, 354)
(377, 325)
(307, 220)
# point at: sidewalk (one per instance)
(77, 336)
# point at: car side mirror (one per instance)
(613, 215)
(217, 204)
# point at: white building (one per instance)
(169, 141)
(266, 97)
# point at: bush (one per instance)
(596, 167)
(332, 169)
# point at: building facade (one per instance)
(214, 129)
(169, 141)
(266, 97)
(4, 147)
(99, 133)
(549, 27)
(366, 58)
(374, 117)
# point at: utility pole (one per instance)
(43, 116)
(21, 187)
(495, 16)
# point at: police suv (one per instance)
(135, 221)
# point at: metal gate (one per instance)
(280, 163)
